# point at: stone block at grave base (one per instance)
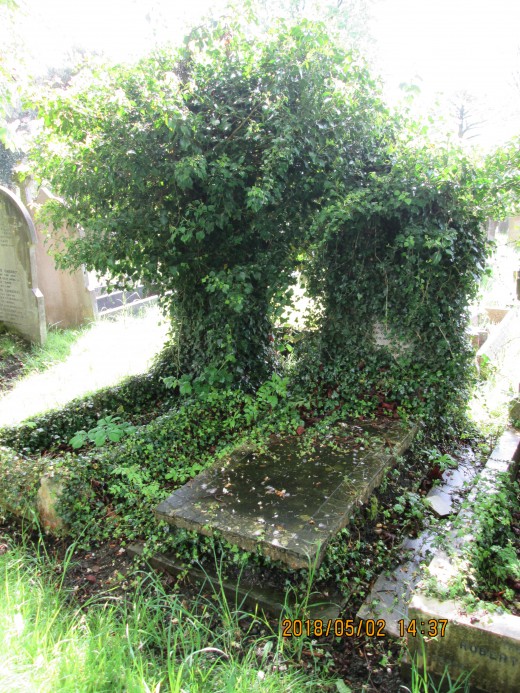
(264, 597)
(30, 491)
(483, 644)
(49, 493)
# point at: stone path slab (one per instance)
(391, 593)
(289, 502)
(445, 498)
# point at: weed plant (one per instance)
(422, 682)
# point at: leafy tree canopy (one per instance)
(500, 187)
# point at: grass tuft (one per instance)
(150, 642)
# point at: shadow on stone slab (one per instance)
(288, 502)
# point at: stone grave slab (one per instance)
(445, 498)
(21, 301)
(439, 502)
(288, 502)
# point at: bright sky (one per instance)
(122, 29)
(451, 44)
(448, 46)
(441, 45)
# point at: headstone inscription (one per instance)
(21, 301)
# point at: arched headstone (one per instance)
(22, 307)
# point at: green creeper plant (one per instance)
(394, 267)
(109, 428)
(216, 172)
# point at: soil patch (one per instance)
(10, 369)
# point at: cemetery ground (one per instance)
(74, 362)
(64, 603)
(303, 466)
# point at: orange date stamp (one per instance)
(338, 627)
(370, 628)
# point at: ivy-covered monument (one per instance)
(220, 173)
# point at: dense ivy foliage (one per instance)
(395, 267)
(111, 490)
(494, 554)
(138, 398)
(218, 172)
(488, 566)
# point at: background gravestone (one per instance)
(70, 300)
(72, 297)
(21, 301)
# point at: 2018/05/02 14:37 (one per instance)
(295, 628)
